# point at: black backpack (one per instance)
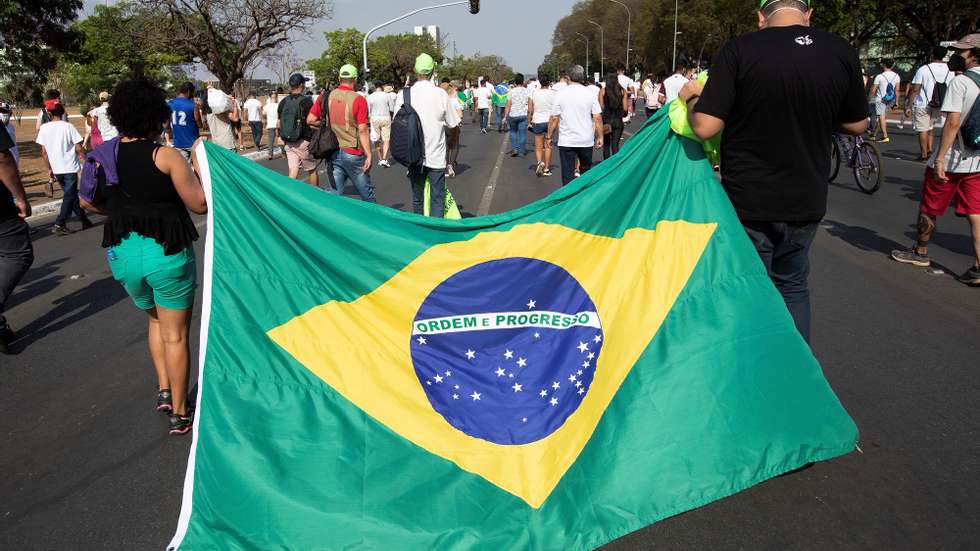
(324, 142)
(291, 123)
(938, 90)
(407, 139)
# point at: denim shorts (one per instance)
(539, 128)
(152, 278)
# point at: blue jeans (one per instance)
(484, 117)
(501, 123)
(518, 134)
(437, 192)
(350, 166)
(256, 127)
(69, 203)
(785, 250)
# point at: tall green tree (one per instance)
(32, 35)
(391, 58)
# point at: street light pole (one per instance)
(673, 66)
(629, 17)
(602, 55)
(586, 52)
(389, 22)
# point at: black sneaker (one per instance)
(60, 230)
(971, 277)
(6, 337)
(910, 256)
(181, 424)
(165, 400)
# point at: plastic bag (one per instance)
(677, 111)
(218, 101)
(451, 211)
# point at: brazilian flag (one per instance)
(547, 378)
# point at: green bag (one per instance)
(677, 111)
(451, 212)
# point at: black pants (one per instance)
(16, 256)
(568, 156)
(785, 250)
(256, 127)
(610, 142)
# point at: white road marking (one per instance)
(484, 207)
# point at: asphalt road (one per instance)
(87, 463)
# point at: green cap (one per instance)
(424, 64)
(348, 71)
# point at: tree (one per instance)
(229, 36)
(926, 23)
(282, 62)
(32, 35)
(463, 68)
(391, 58)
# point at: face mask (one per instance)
(4, 118)
(956, 63)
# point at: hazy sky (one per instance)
(518, 30)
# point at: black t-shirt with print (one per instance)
(782, 92)
(7, 208)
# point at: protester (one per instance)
(539, 110)
(653, 95)
(775, 151)
(253, 110)
(61, 148)
(924, 111)
(222, 125)
(577, 116)
(5, 120)
(673, 84)
(106, 129)
(885, 93)
(51, 97)
(563, 81)
(93, 138)
(270, 111)
(150, 236)
(295, 132)
(347, 112)
(185, 120)
(629, 89)
(483, 96)
(954, 168)
(614, 101)
(515, 113)
(500, 105)
(16, 251)
(436, 114)
(453, 134)
(379, 110)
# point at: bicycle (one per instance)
(861, 156)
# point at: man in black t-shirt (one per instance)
(776, 96)
(16, 252)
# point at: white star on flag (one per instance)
(553, 401)
(581, 391)
(537, 335)
(585, 364)
(579, 371)
(521, 362)
(524, 419)
(421, 340)
(470, 354)
(531, 304)
(455, 396)
(571, 378)
(475, 395)
(457, 386)
(591, 355)
(556, 385)
(449, 373)
(582, 347)
(438, 378)
(517, 387)
(499, 372)
(578, 384)
(428, 383)
(543, 393)
(597, 339)
(511, 375)
(508, 354)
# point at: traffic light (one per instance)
(474, 6)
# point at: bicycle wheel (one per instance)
(867, 168)
(834, 159)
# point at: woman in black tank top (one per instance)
(150, 236)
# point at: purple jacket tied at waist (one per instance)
(100, 163)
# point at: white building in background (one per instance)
(431, 30)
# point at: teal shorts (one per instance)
(152, 278)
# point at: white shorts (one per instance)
(926, 118)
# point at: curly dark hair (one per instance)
(138, 108)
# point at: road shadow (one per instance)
(36, 282)
(869, 240)
(70, 309)
(43, 231)
(955, 242)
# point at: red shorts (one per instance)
(937, 195)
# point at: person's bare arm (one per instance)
(507, 110)
(47, 162)
(913, 91)
(627, 104)
(552, 126)
(597, 129)
(950, 129)
(530, 111)
(10, 177)
(188, 186)
(703, 125)
(853, 128)
(80, 151)
(364, 137)
(197, 116)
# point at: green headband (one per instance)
(762, 3)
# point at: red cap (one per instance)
(49, 104)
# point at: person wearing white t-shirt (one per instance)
(379, 115)
(883, 98)
(271, 113)
(436, 113)
(253, 110)
(673, 84)
(539, 109)
(924, 116)
(101, 114)
(61, 147)
(561, 84)
(629, 87)
(483, 96)
(577, 116)
(954, 167)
